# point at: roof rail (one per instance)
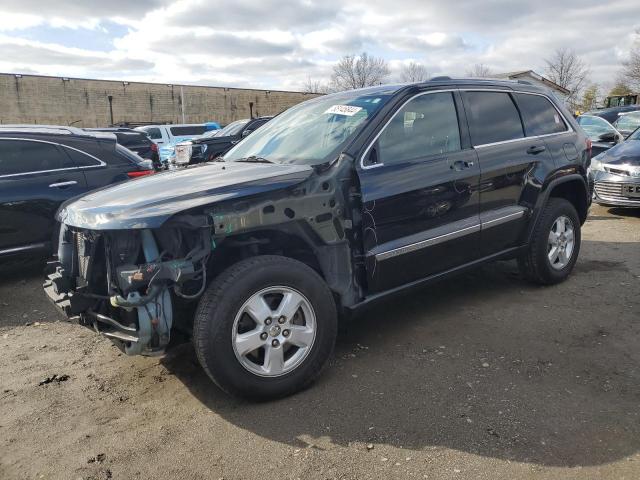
(439, 78)
(45, 129)
(525, 82)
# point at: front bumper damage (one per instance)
(123, 284)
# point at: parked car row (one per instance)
(210, 146)
(167, 136)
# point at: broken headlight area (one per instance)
(124, 283)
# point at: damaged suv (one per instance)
(335, 204)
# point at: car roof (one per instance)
(444, 81)
(52, 130)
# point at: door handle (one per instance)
(460, 165)
(63, 184)
(534, 150)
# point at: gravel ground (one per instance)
(482, 376)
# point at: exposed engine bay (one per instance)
(120, 282)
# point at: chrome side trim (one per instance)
(100, 162)
(501, 215)
(564, 118)
(375, 139)
(427, 243)
(487, 220)
(566, 122)
(25, 248)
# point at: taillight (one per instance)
(139, 173)
(589, 145)
(154, 147)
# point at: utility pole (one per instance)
(182, 102)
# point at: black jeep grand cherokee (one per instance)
(334, 204)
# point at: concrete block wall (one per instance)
(36, 99)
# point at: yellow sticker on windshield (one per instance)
(347, 110)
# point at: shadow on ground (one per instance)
(483, 363)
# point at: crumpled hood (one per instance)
(149, 201)
(625, 153)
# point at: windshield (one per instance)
(594, 126)
(628, 122)
(232, 129)
(312, 132)
(635, 135)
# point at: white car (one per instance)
(167, 136)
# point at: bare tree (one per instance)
(359, 71)
(413, 72)
(631, 67)
(590, 97)
(567, 70)
(479, 70)
(315, 86)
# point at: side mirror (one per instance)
(608, 137)
(246, 133)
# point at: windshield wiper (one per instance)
(253, 159)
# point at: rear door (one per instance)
(543, 120)
(419, 182)
(508, 159)
(36, 176)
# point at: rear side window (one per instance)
(129, 138)
(129, 155)
(493, 117)
(188, 130)
(154, 133)
(540, 116)
(425, 126)
(81, 159)
(26, 156)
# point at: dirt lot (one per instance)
(482, 376)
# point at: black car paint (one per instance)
(345, 216)
(217, 146)
(28, 202)
(135, 140)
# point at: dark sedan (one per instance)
(616, 174)
(41, 167)
(209, 146)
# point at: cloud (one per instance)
(275, 45)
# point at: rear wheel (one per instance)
(265, 327)
(555, 244)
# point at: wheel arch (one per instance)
(572, 187)
(331, 261)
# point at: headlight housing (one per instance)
(597, 165)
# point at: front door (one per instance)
(419, 183)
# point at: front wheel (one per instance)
(555, 244)
(265, 327)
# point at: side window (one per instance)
(188, 130)
(493, 117)
(154, 133)
(25, 156)
(81, 159)
(427, 125)
(540, 116)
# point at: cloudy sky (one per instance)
(279, 44)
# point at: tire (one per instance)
(536, 265)
(225, 314)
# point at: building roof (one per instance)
(537, 76)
